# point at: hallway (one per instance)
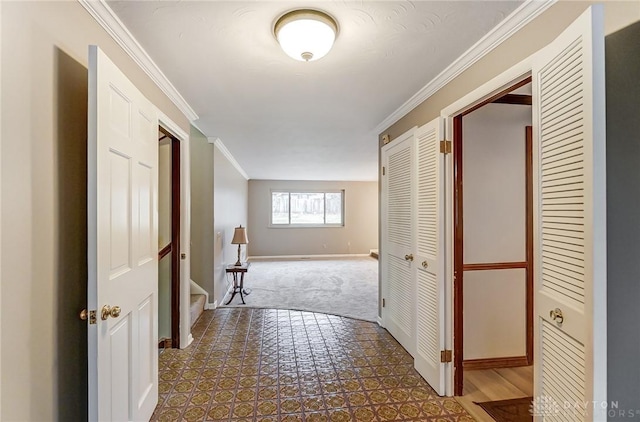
(270, 365)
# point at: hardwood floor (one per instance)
(494, 384)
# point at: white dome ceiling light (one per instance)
(305, 34)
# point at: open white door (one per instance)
(570, 224)
(122, 246)
(398, 273)
(429, 255)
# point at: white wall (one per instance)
(494, 203)
(358, 235)
(230, 203)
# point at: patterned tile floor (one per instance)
(279, 365)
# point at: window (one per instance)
(307, 209)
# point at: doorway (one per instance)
(493, 247)
(168, 240)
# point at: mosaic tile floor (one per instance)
(278, 365)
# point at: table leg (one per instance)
(242, 287)
(235, 289)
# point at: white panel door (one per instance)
(429, 258)
(398, 273)
(122, 246)
(570, 225)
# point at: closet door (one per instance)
(429, 260)
(398, 273)
(570, 230)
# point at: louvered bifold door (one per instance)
(398, 273)
(570, 243)
(429, 255)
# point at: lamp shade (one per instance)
(240, 236)
(306, 35)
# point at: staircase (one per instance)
(197, 307)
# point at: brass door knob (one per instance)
(408, 257)
(84, 314)
(556, 315)
(425, 264)
(115, 312)
(108, 311)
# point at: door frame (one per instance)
(174, 244)
(459, 267)
(453, 290)
(185, 227)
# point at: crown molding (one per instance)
(105, 16)
(223, 149)
(524, 14)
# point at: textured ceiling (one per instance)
(284, 119)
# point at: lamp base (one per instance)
(238, 263)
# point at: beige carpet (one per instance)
(346, 287)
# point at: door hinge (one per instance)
(445, 147)
(384, 171)
(383, 303)
(446, 356)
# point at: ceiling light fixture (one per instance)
(306, 34)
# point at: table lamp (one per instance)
(239, 238)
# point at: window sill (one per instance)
(305, 226)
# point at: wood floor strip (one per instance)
(494, 384)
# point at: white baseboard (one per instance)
(379, 321)
(326, 256)
(211, 306)
(228, 292)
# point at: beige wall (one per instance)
(521, 45)
(230, 210)
(43, 151)
(202, 234)
(358, 236)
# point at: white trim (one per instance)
(524, 14)
(223, 149)
(504, 80)
(189, 341)
(196, 289)
(327, 256)
(227, 293)
(211, 306)
(168, 124)
(379, 321)
(105, 16)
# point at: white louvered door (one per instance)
(429, 259)
(398, 240)
(122, 246)
(570, 225)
